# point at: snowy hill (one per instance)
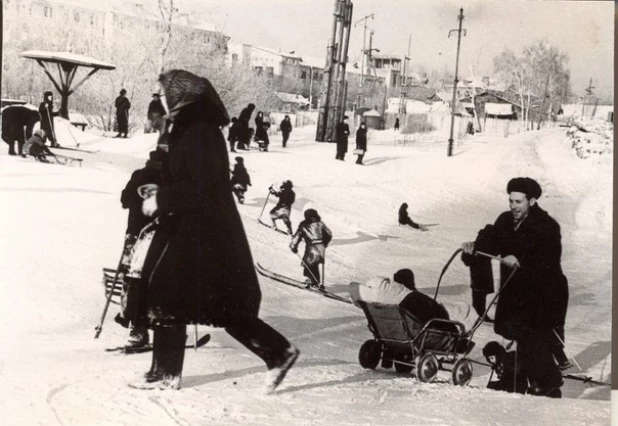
(63, 224)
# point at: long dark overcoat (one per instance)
(199, 268)
(536, 298)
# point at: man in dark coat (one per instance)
(240, 179)
(361, 142)
(232, 133)
(286, 129)
(155, 113)
(244, 134)
(282, 209)
(122, 114)
(316, 236)
(533, 303)
(46, 110)
(199, 267)
(342, 132)
(17, 126)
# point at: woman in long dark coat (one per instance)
(286, 129)
(361, 142)
(199, 268)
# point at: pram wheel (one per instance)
(369, 354)
(462, 372)
(427, 367)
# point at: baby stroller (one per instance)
(402, 341)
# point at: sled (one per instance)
(87, 151)
(299, 284)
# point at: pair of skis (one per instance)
(129, 349)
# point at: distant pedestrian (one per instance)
(122, 114)
(155, 113)
(404, 218)
(396, 127)
(46, 110)
(286, 129)
(244, 133)
(316, 236)
(259, 120)
(240, 179)
(361, 142)
(261, 134)
(232, 133)
(282, 209)
(342, 132)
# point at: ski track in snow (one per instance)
(63, 224)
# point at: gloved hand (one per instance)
(294, 250)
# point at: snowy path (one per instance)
(61, 225)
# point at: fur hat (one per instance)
(48, 93)
(123, 92)
(287, 184)
(239, 160)
(312, 214)
(183, 88)
(405, 277)
(493, 348)
(525, 185)
(40, 133)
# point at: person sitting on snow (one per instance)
(283, 207)
(404, 218)
(36, 147)
(240, 180)
(316, 236)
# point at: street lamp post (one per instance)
(450, 139)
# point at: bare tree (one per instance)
(167, 11)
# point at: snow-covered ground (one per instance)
(62, 224)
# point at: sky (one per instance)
(582, 29)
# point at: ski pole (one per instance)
(323, 273)
(99, 327)
(263, 208)
(565, 349)
(307, 268)
(195, 337)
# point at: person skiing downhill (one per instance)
(316, 236)
(240, 180)
(283, 207)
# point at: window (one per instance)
(270, 71)
(234, 58)
(258, 70)
(76, 16)
(47, 11)
(303, 75)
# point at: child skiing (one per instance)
(240, 180)
(284, 205)
(316, 236)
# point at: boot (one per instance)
(275, 375)
(138, 337)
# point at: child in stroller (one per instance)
(412, 330)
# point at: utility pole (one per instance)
(404, 80)
(333, 95)
(364, 52)
(588, 95)
(450, 139)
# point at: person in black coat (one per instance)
(532, 305)
(122, 114)
(155, 113)
(47, 113)
(342, 132)
(199, 266)
(316, 236)
(261, 134)
(259, 120)
(286, 129)
(283, 208)
(361, 142)
(244, 133)
(240, 179)
(396, 127)
(232, 133)
(506, 367)
(17, 126)
(404, 218)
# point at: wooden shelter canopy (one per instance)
(67, 64)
